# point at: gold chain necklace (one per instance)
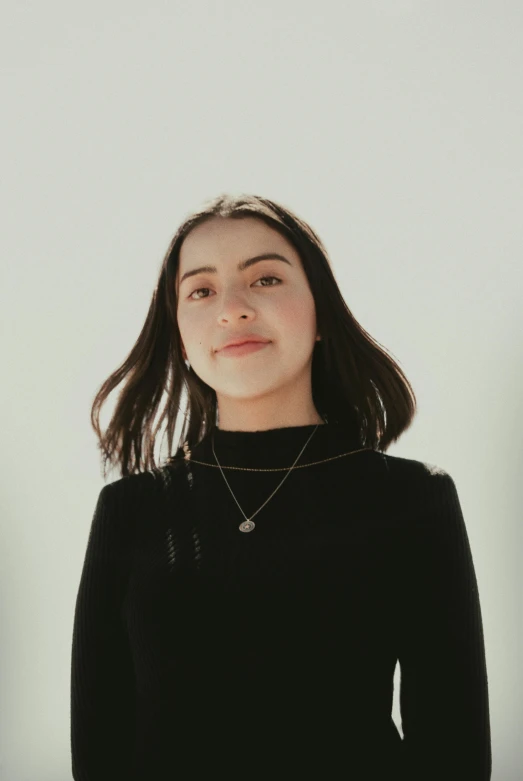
(248, 525)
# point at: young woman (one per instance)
(243, 606)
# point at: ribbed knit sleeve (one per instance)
(444, 697)
(102, 681)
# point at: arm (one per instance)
(444, 698)
(102, 678)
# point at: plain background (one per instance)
(394, 127)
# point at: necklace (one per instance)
(248, 524)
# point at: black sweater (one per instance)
(199, 649)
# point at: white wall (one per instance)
(393, 126)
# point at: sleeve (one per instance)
(444, 700)
(102, 679)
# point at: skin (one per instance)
(262, 390)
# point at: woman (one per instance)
(242, 608)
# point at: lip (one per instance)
(238, 342)
(243, 349)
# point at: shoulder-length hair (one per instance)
(355, 383)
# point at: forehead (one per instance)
(226, 240)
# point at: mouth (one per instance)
(243, 349)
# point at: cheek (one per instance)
(185, 330)
(188, 324)
(297, 315)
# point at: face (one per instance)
(272, 386)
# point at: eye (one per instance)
(206, 288)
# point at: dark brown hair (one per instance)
(354, 381)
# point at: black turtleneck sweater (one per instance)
(199, 649)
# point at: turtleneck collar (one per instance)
(277, 447)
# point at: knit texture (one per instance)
(199, 649)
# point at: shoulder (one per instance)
(143, 488)
(131, 483)
(398, 471)
(419, 488)
(136, 488)
(412, 469)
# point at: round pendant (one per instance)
(247, 526)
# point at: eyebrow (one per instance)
(242, 265)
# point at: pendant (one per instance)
(247, 526)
